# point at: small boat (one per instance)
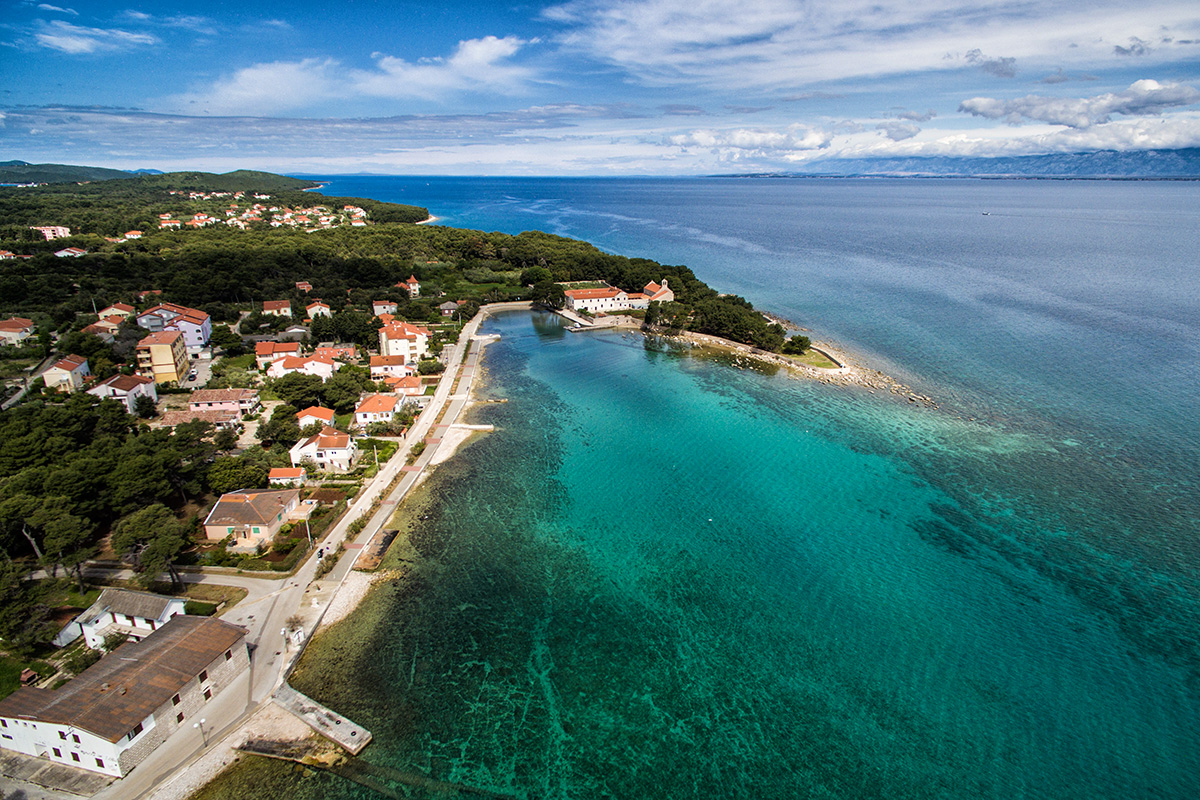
(987, 213)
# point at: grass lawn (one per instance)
(814, 359)
(244, 361)
(10, 672)
(14, 367)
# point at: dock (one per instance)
(333, 726)
(372, 554)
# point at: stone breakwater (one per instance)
(851, 372)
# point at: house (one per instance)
(318, 309)
(135, 614)
(345, 352)
(412, 285)
(287, 476)
(218, 419)
(70, 252)
(304, 286)
(314, 415)
(403, 339)
(15, 330)
(233, 401)
(448, 308)
(170, 224)
(6, 255)
(133, 234)
(376, 408)
(331, 450)
(608, 299)
(114, 714)
(383, 366)
(323, 368)
(163, 357)
(104, 332)
(266, 352)
(295, 333)
(383, 307)
(658, 294)
(278, 308)
(409, 386)
(120, 310)
(52, 231)
(68, 372)
(195, 325)
(126, 389)
(253, 516)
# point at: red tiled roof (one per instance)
(160, 337)
(325, 414)
(377, 404)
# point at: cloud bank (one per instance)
(1142, 98)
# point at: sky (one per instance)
(589, 87)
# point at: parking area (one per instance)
(203, 369)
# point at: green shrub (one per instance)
(199, 608)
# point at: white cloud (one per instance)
(898, 131)
(265, 89)
(48, 7)
(74, 39)
(476, 65)
(742, 142)
(1140, 99)
(789, 44)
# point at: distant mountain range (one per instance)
(1104, 164)
(24, 172)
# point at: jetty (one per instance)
(330, 724)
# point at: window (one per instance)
(62, 735)
(203, 676)
(179, 717)
(208, 694)
(175, 700)
(228, 654)
(74, 756)
(75, 736)
(100, 763)
(136, 730)
(57, 752)
(3, 723)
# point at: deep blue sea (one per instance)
(664, 575)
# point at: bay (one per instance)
(664, 575)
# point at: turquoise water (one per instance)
(663, 575)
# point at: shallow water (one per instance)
(663, 575)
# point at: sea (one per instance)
(670, 573)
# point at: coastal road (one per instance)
(302, 596)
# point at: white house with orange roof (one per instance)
(194, 324)
(394, 366)
(403, 339)
(314, 415)
(68, 372)
(121, 310)
(15, 330)
(266, 352)
(287, 476)
(323, 368)
(318, 309)
(331, 450)
(376, 408)
(608, 299)
(383, 307)
(126, 389)
(133, 234)
(277, 308)
(412, 285)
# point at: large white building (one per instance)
(115, 713)
(608, 299)
(403, 339)
(135, 614)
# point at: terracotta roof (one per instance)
(170, 419)
(160, 337)
(221, 395)
(70, 363)
(387, 361)
(328, 439)
(271, 348)
(127, 685)
(15, 324)
(325, 414)
(592, 294)
(250, 507)
(122, 307)
(403, 330)
(277, 305)
(285, 473)
(124, 383)
(377, 404)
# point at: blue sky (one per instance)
(589, 86)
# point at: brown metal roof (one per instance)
(127, 685)
(250, 507)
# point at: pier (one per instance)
(333, 726)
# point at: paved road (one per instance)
(267, 610)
